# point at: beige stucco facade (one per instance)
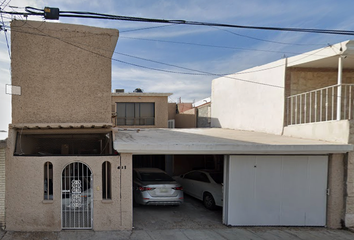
(64, 72)
(27, 211)
(160, 101)
(57, 65)
(349, 200)
(336, 190)
(2, 183)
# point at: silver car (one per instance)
(152, 186)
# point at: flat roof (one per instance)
(217, 141)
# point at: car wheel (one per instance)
(209, 201)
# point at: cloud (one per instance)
(188, 87)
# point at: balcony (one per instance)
(335, 102)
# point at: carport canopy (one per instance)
(217, 141)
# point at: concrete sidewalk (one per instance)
(254, 233)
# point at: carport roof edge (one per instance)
(217, 141)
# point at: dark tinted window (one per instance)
(217, 177)
(203, 178)
(158, 176)
(192, 175)
(197, 176)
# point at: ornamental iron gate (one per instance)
(77, 196)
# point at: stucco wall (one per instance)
(2, 183)
(336, 183)
(186, 121)
(204, 117)
(171, 111)
(332, 131)
(161, 108)
(27, 211)
(64, 72)
(349, 213)
(251, 100)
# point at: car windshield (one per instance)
(217, 177)
(155, 176)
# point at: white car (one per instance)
(205, 185)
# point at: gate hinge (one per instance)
(327, 191)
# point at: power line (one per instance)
(196, 72)
(83, 14)
(269, 41)
(5, 33)
(150, 68)
(213, 46)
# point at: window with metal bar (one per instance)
(106, 181)
(48, 181)
(135, 113)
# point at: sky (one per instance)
(215, 50)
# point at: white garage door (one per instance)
(275, 190)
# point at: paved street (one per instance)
(188, 234)
(188, 221)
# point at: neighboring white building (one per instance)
(309, 96)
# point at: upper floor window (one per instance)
(135, 113)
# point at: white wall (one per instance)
(332, 131)
(251, 100)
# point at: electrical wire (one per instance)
(83, 14)
(151, 68)
(213, 46)
(269, 41)
(197, 72)
(5, 33)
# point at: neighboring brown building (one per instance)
(183, 115)
(140, 110)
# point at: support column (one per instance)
(335, 199)
(349, 201)
(339, 89)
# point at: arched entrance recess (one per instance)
(77, 196)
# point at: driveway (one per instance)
(190, 215)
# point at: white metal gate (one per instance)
(77, 196)
(275, 190)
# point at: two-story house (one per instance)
(308, 96)
(61, 169)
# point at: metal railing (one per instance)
(321, 105)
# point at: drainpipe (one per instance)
(339, 89)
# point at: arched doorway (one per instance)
(77, 196)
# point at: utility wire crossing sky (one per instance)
(157, 53)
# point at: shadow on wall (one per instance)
(192, 121)
(215, 123)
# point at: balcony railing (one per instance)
(321, 105)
